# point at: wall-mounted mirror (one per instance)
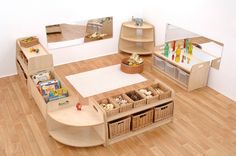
(210, 49)
(69, 34)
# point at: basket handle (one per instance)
(121, 122)
(143, 115)
(164, 107)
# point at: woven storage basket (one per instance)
(137, 103)
(123, 107)
(119, 127)
(130, 69)
(154, 98)
(114, 111)
(163, 111)
(161, 90)
(142, 119)
(29, 42)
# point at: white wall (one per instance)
(21, 18)
(211, 18)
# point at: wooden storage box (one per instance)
(119, 127)
(29, 42)
(123, 107)
(111, 112)
(141, 99)
(130, 69)
(163, 91)
(142, 119)
(163, 111)
(39, 99)
(154, 98)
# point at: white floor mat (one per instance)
(102, 80)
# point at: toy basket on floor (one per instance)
(130, 69)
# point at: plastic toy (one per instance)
(190, 51)
(166, 50)
(36, 50)
(173, 47)
(78, 106)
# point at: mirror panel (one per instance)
(208, 46)
(69, 34)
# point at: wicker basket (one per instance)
(114, 111)
(161, 90)
(130, 69)
(154, 98)
(29, 42)
(142, 119)
(119, 127)
(137, 103)
(123, 107)
(163, 111)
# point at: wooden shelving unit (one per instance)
(139, 39)
(188, 75)
(86, 127)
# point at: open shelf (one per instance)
(72, 117)
(139, 131)
(138, 109)
(78, 137)
(137, 50)
(137, 39)
(133, 25)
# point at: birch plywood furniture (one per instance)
(139, 39)
(190, 74)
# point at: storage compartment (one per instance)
(150, 94)
(40, 100)
(183, 77)
(124, 102)
(162, 90)
(109, 106)
(137, 98)
(163, 111)
(170, 69)
(142, 119)
(119, 127)
(21, 72)
(159, 63)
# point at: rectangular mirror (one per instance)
(210, 50)
(69, 34)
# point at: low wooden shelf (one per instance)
(190, 75)
(137, 39)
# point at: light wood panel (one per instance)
(203, 123)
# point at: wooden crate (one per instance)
(142, 119)
(29, 42)
(114, 111)
(154, 98)
(119, 127)
(163, 111)
(123, 107)
(137, 103)
(163, 91)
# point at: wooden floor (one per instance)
(204, 121)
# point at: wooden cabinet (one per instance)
(139, 39)
(190, 73)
